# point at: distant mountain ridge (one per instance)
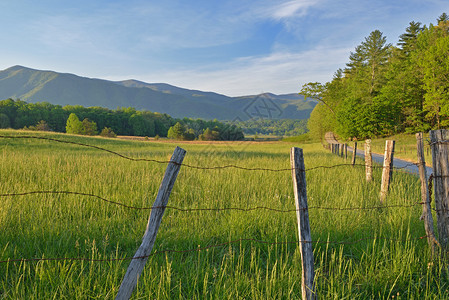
(31, 85)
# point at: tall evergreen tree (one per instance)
(407, 40)
(375, 51)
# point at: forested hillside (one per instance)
(33, 86)
(387, 89)
(123, 121)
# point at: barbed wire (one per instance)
(193, 166)
(214, 209)
(209, 247)
(204, 209)
(83, 145)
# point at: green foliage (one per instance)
(40, 126)
(210, 135)
(89, 127)
(321, 121)
(434, 63)
(123, 121)
(277, 127)
(176, 132)
(4, 121)
(387, 90)
(108, 132)
(74, 125)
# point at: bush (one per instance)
(108, 132)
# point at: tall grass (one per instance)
(382, 257)
(405, 147)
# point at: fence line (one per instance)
(192, 166)
(373, 238)
(213, 209)
(304, 242)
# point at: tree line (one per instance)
(387, 89)
(18, 114)
(277, 127)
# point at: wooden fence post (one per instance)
(342, 152)
(440, 160)
(387, 169)
(368, 161)
(302, 214)
(425, 196)
(354, 153)
(346, 151)
(136, 265)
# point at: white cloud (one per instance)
(280, 72)
(292, 8)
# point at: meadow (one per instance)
(359, 253)
(405, 147)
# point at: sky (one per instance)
(232, 47)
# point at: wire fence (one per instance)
(181, 209)
(205, 248)
(376, 207)
(193, 166)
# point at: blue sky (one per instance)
(233, 47)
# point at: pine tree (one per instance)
(407, 40)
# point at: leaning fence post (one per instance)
(368, 161)
(387, 169)
(425, 196)
(354, 153)
(440, 160)
(302, 214)
(136, 265)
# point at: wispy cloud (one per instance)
(231, 46)
(292, 8)
(280, 72)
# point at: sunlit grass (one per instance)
(383, 255)
(405, 147)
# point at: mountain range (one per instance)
(31, 85)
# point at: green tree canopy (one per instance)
(89, 127)
(74, 125)
(176, 132)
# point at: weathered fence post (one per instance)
(136, 265)
(302, 214)
(368, 161)
(354, 153)
(342, 152)
(346, 151)
(439, 141)
(425, 196)
(387, 169)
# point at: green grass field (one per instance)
(381, 255)
(405, 147)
